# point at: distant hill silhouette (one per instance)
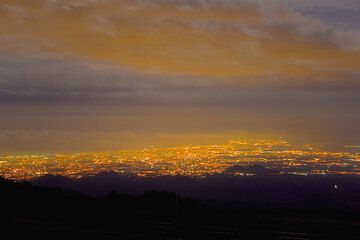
(259, 189)
(54, 181)
(28, 211)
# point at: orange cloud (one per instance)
(235, 39)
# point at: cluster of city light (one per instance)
(196, 161)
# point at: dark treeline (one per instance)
(332, 191)
(27, 210)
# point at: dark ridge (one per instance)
(336, 191)
(29, 211)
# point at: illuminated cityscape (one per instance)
(180, 119)
(279, 156)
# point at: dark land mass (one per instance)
(111, 206)
(340, 191)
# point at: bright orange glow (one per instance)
(195, 161)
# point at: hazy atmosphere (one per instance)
(103, 75)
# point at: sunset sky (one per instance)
(103, 75)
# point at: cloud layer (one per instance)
(284, 44)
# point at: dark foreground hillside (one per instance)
(28, 211)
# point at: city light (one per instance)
(279, 156)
